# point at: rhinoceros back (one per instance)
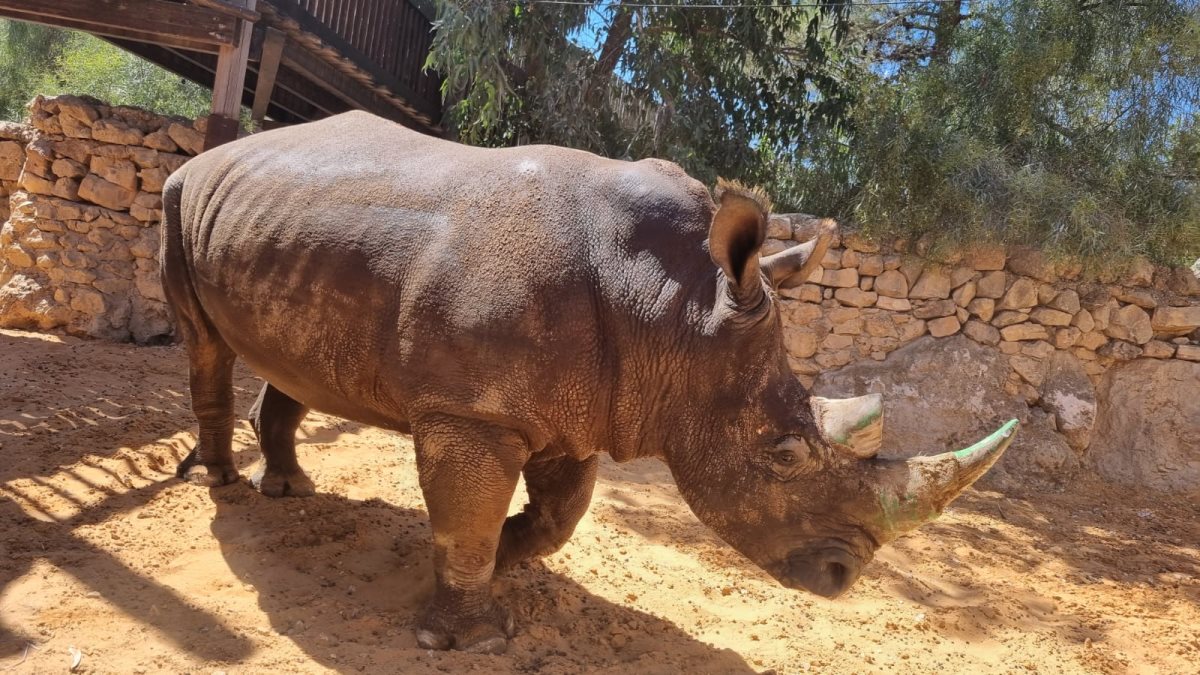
(366, 269)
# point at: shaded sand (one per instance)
(103, 551)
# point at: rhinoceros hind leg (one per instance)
(275, 417)
(560, 490)
(210, 363)
(468, 471)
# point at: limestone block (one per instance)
(1135, 296)
(1120, 350)
(1130, 323)
(31, 182)
(159, 140)
(800, 342)
(892, 284)
(77, 150)
(1037, 349)
(1140, 273)
(805, 292)
(1068, 394)
(1157, 349)
(116, 132)
(855, 297)
(1046, 294)
(961, 275)
(891, 262)
(832, 259)
(850, 258)
(1083, 320)
(120, 172)
(1065, 338)
(893, 304)
(934, 309)
(991, 285)
(1050, 317)
(1008, 318)
(834, 341)
(1175, 321)
(1021, 295)
(1066, 301)
(871, 265)
(74, 128)
(1024, 331)
(145, 158)
(1031, 370)
(866, 283)
(1092, 340)
(945, 326)
(12, 158)
(1188, 353)
(934, 283)
(88, 301)
(147, 207)
(912, 330)
(66, 188)
(840, 278)
(964, 294)
(187, 138)
(109, 195)
(984, 308)
(981, 332)
(856, 242)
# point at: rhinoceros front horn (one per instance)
(915, 491)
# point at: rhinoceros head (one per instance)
(791, 480)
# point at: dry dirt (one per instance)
(103, 552)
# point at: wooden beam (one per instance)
(156, 21)
(268, 68)
(227, 8)
(229, 79)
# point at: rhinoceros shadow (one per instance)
(344, 580)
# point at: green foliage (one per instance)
(715, 90)
(1071, 126)
(40, 60)
(27, 51)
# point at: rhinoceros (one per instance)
(524, 311)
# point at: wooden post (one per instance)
(268, 68)
(228, 82)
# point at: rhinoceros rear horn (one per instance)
(798, 262)
(915, 490)
(852, 425)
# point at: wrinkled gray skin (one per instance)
(516, 310)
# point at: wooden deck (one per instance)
(288, 60)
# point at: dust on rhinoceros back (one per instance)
(523, 323)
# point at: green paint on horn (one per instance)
(991, 441)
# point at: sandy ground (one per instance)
(103, 552)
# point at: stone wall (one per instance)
(81, 186)
(959, 344)
(1103, 374)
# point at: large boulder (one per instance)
(942, 394)
(1148, 425)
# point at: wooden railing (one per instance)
(388, 38)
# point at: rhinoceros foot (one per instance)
(194, 471)
(487, 634)
(282, 484)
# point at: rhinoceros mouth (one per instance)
(828, 571)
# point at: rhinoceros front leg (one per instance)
(275, 417)
(468, 471)
(560, 490)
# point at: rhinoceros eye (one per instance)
(789, 457)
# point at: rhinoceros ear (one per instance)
(851, 425)
(738, 229)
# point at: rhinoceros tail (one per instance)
(190, 320)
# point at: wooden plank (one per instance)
(135, 19)
(268, 68)
(228, 82)
(426, 105)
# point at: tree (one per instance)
(719, 90)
